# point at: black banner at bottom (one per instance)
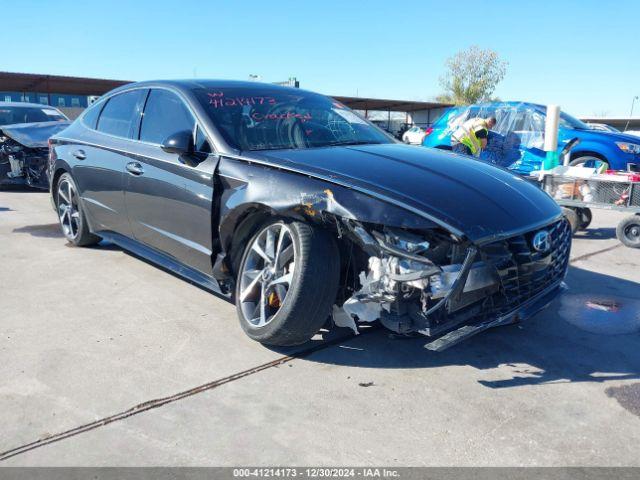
(277, 473)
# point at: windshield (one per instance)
(270, 119)
(12, 115)
(567, 121)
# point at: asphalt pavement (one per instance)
(108, 360)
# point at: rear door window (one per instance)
(119, 114)
(164, 114)
(90, 117)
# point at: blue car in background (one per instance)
(517, 140)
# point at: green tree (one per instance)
(472, 76)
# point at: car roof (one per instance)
(504, 104)
(189, 85)
(26, 104)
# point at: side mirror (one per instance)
(180, 143)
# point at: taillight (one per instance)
(428, 131)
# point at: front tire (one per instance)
(72, 217)
(287, 282)
(590, 161)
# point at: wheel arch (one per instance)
(240, 224)
(588, 153)
(250, 193)
(61, 166)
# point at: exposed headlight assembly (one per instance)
(403, 244)
(626, 147)
(401, 260)
(411, 279)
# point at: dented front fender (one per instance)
(248, 186)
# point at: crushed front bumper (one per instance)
(523, 312)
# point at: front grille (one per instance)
(523, 271)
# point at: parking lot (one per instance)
(108, 360)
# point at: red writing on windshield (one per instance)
(259, 117)
(218, 100)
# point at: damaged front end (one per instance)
(417, 271)
(20, 165)
(24, 152)
(447, 288)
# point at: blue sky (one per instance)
(581, 54)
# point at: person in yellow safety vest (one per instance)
(471, 137)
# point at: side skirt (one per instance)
(166, 263)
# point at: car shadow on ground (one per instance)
(22, 189)
(579, 338)
(47, 230)
(603, 233)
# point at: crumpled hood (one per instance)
(477, 199)
(33, 135)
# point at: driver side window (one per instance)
(164, 114)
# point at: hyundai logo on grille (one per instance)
(541, 241)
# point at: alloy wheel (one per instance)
(68, 209)
(267, 274)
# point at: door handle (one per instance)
(135, 168)
(79, 154)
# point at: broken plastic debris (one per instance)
(343, 319)
(365, 311)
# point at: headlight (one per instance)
(401, 240)
(629, 147)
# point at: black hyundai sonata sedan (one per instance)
(302, 212)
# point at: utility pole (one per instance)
(631, 113)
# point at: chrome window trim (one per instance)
(107, 97)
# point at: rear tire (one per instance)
(71, 215)
(628, 231)
(272, 313)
